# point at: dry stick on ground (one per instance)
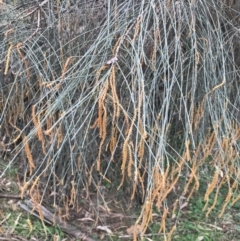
(51, 218)
(10, 196)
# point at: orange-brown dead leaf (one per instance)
(135, 230)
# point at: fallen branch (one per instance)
(54, 220)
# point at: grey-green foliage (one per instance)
(185, 55)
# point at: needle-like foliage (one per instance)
(142, 95)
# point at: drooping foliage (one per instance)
(141, 95)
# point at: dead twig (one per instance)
(10, 196)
